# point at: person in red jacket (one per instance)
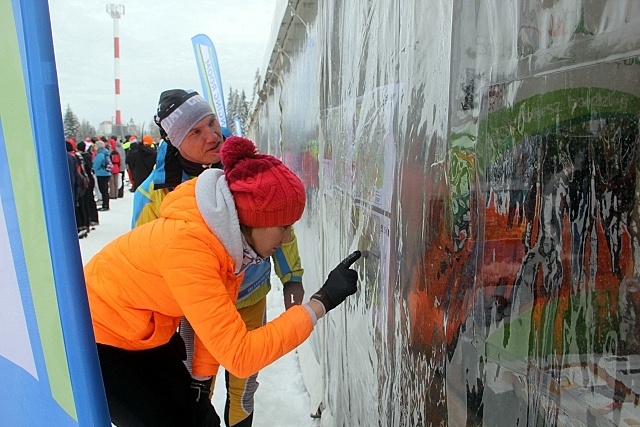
(190, 262)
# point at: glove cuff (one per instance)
(291, 284)
(323, 298)
(202, 389)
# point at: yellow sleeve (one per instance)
(286, 261)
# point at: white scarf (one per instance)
(218, 209)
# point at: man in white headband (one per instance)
(181, 112)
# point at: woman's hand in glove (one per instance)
(342, 282)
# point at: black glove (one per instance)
(202, 411)
(341, 283)
(201, 389)
(293, 294)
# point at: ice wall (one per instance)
(484, 154)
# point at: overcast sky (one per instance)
(155, 51)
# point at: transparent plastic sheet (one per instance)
(484, 156)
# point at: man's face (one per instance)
(203, 142)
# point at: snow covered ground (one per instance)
(282, 399)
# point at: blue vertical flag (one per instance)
(49, 367)
(238, 125)
(209, 71)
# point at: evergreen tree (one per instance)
(231, 108)
(153, 130)
(85, 130)
(237, 106)
(71, 124)
(132, 129)
(243, 108)
(256, 86)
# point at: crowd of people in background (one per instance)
(99, 170)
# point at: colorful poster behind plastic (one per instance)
(49, 371)
(485, 159)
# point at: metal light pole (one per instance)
(116, 11)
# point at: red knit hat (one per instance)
(265, 191)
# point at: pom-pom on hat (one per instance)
(179, 111)
(265, 191)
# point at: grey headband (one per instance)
(184, 118)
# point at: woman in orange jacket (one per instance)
(190, 263)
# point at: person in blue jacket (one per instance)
(102, 171)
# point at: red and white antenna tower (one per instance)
(116, 11)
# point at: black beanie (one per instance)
(170, 100)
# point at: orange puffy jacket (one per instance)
(143, 282)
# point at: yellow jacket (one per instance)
(186, 263)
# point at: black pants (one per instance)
(152, 388)
(103, 186)
(90, 205)
(82, 219)
(121, 189)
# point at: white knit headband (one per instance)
(184, 118)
